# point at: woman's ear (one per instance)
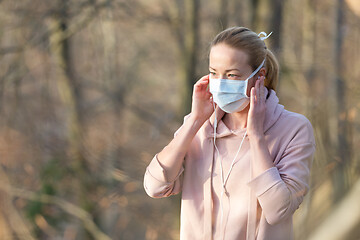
(262, 72)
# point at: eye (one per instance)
(232, 76)
(212, 73)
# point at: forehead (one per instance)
(224, 57)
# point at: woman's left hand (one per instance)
(256, 115)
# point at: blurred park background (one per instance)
(90, 90)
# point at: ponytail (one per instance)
(272, 71)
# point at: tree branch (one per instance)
(68, 207)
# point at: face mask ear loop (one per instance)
(222, 175)
(215, 127)
(256, 71)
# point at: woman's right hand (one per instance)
(202, 103)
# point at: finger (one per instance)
(263, 88)
(202, 87)
(254, 94)
(203, 79)
(252, 97)
(257, 88)
(202, 83)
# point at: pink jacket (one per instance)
(256, 208)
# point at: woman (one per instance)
(240, 159)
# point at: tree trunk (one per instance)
(343, 147)
(189, 56)
(254, 15)
(111, 82)
(67, 86)
(275, 25)
(241, 13)
(70, 94)
(224, 13)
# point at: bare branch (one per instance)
(7, 50)
(68, 207)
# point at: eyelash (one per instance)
(232, 75)
(229, 75)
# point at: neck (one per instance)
(238, 120)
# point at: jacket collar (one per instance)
(273, 112)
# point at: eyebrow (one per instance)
(228, 70)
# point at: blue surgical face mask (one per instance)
(230, 95)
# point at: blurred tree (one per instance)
(82, 83)
(69, 89)
(344, 220)
(189, 56)
(224, 14)
(343, 156)
(242, 13)
(276, 25)
(183, 20)
(254, 13)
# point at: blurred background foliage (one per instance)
(90, 90)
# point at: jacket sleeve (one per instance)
(156, 183)
(281, 189)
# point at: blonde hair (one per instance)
(248, 41)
